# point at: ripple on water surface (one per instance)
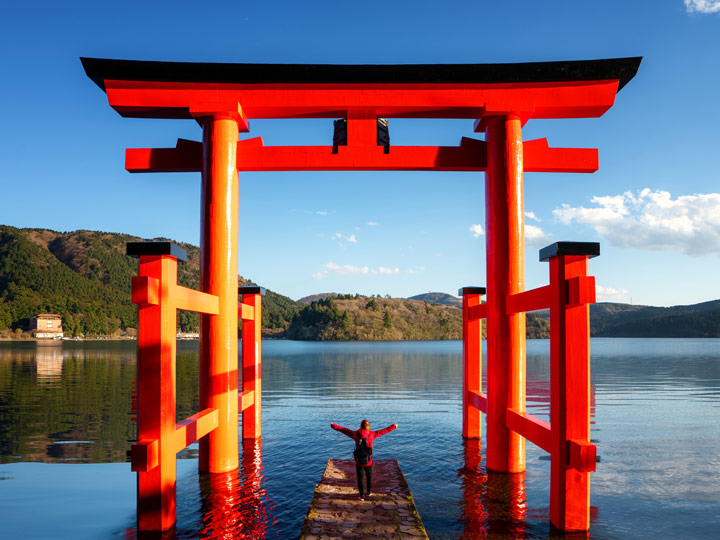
(655, 406)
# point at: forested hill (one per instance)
(624, 320)
(84, 276)
(349, 317)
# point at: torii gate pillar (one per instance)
(219, 276)
(504, 221)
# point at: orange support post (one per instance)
(504, 215)
(472, 361)
(156, 395)
(218, 276)
(158, 297)
(573, 456)
(251, 314)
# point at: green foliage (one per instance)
(85, 276)
(536, 327)
(678, 326)
(354, 319)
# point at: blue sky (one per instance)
(654, 204)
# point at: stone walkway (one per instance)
(336, 512)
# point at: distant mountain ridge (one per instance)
(624, 320)
(307, 300)
(438, 298)
(84, 276)
(608, 319)
(347, 317)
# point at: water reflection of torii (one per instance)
(501, 98)
(494, 504)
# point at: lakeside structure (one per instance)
(46, 326)
(501, 98)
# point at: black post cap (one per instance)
(137, 249)
(591, 249)
(252, 289)
(471, 290)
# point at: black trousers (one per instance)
(367, 473)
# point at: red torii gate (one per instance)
(501, 98)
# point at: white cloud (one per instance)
(348, 269)
(477, 230)
(321, 212)
(535, 236)
(341, 237)
(652, 220)
(344, 270)
(703, 6)
(416, 270)
(373, 224)
(609, 293)
(531, 215)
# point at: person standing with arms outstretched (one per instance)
(363, 438)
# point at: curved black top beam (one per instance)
(99, 69)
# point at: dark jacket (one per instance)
(363, 433)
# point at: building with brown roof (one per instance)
(46, 326)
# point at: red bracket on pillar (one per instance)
(217, 109)
(160, 438)
(250, 311)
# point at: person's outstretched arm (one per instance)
(343, 430)
(384, 431)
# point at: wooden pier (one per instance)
(337, 512)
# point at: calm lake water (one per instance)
(66, 424)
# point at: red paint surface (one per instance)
(251, 367)
(472, 367)
(219, 277)
(567, 436)
(504, 217)
(159, 297)
(156, 392)
(253, 155)
(152, 99)
(569, 394)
